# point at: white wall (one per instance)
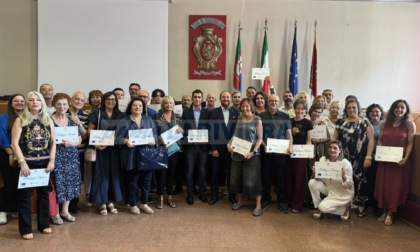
(369, 49)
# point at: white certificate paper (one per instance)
(328, 170)
(38, 177)
(260, 73)
(277, 145)
(178, 109)
(319, 132)
(102, 137)
(198, 136)
(389, 154)
(140, 136)
(303, 151)
(70, 133)
(170, 136)
(241, 146)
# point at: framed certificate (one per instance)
(170, 136)
(241, 146)
(277, 145)
(102, 137)
(38, 177)
(198, 136)
(319, 132)
(70, 133)
(140, 136)
(328, 170)
(303, 151)
(389, 154)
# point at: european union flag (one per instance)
(293, 74)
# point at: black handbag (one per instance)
(152, 158)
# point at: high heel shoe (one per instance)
(159, 204)
(171, 202)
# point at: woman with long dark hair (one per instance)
(393, 179)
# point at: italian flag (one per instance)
(264, 63)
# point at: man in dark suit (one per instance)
(223, 122)
(195, 118)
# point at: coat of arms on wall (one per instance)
(207, 47)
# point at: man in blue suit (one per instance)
(223, 122)
(195, 118)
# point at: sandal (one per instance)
(388, 220)
(361, 214)
(46, 231)
(171, 202)
(28, 236)
(112, 208)
(102, 210)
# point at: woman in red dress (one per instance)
(393, 179)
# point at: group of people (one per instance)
(28, 141)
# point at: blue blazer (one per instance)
(221, 134)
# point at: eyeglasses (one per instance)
(142, 96)
(110, 100)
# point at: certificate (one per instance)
(170, 136)
(102, 137)
(389, 154)
(178, 109)
(140, 136)
(328, 170)
(260, 73)
(70, 133)
(277, 145)
(38, 177)
(319, 132)
(241, 146)
(303, 151)
(198, 136)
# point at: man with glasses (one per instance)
(276, 125)
(144, 96)
(134, 89)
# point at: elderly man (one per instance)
(186, 102)
(144, 96)
(223, 122)
(328, 93)
(47, 92)
(211, 101)
(276, 125)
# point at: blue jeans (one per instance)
(134, 179)
(195, 159)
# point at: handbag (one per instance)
(90, 153)
(152, 158)
(52, 199)
(172, 149)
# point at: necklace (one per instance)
(61, 121)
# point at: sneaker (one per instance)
(3, 218)
(56, 220)
(135, 210)
(237, 206)
(146, 209)
(257, 212)
(265, 204)
(283, 207)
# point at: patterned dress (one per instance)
(353, 138)
(67, 171)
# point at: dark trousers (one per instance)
(24, 209)
(295, 182)
(73, 206)
(180, 170)
(219, 165)
(272, 169)
(166, 177)
(371, 179)
(195, 160)
(9, 193)
(135, 179)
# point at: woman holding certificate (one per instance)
(339, 193)
(67, 164)
(33, 143)
(107, 180)
(164, 120)
(245, 175)
(135, 119)
(393, 179)
(9, 193)
(295, 174)
(355, 133)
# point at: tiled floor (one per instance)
(202, 227)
